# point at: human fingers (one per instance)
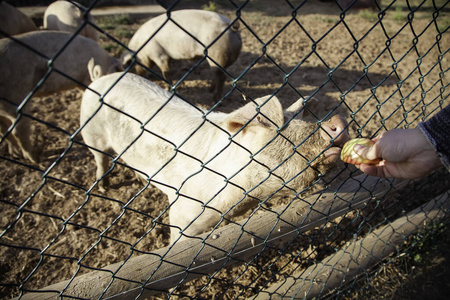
(378, 170)
(369, 169)
(369, 152)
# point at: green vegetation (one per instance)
(400, 11)
(444, 24)
(210, 7)
(111, 22)
(369, 15)
(329, 19)
(398, 15)
(425, 243)
(110, 47)
(121, 27)
(123, 33)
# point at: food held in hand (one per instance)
(349, 156)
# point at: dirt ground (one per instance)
(345, 61)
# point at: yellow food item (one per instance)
(349, 156)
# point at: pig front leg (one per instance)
(218, 82)
(101, 160)
(143, 60)
(190, 217)
(163, 63)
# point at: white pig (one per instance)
(13, 21)
(345, 4)
(172, 42)
(22, 69)
(67, 16)
(210, 164)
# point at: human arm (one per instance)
(410, 153)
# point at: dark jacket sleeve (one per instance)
(437, 131)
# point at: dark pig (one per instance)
(13, 21)
(24, 68)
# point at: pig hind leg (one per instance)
(22, 134)
(18, 139)
(98, 146)
(218, 82)
(10, 140)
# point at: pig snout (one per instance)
(335, 130)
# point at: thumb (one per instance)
(367, 152)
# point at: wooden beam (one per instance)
(356, 257)
(229, 245)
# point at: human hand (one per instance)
(404, 153)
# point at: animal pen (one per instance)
(381, 68)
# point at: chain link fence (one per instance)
(299, 226)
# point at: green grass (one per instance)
(444, 24)
(369, 15)
(400, 10)
(328, 19)
(110, 46)
(123, 33)
(425, 242)
(398, 15)
(211, 6)
(111, 22)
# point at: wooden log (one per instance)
(356, 257)
(233, 244)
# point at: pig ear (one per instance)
(303, 107)
(294, 108)
(270, 114)
(125, 59)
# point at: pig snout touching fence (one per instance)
(335, 131)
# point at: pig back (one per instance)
(26, 67)
(13, 21)
(204, 26)
(176, 140)
(21, 70)
(134, 102)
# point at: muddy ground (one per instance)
(345, 61)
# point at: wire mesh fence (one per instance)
(204, 192)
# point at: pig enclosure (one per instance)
(381, 69)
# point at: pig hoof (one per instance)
(33, 157)
(101, 189)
